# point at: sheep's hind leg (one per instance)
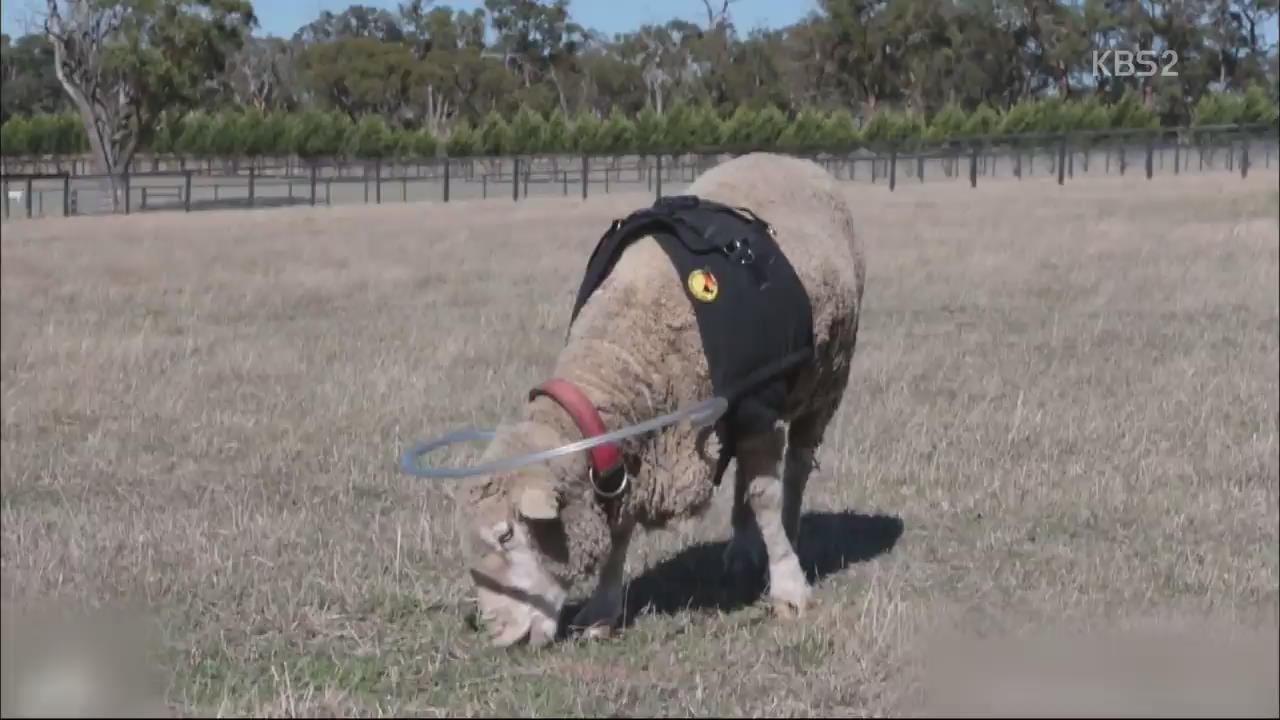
(745, 556)
(803, 437)
(602, 611)
(759, 460)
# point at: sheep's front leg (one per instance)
(604, 608)
(759, 462)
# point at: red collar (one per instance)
(608, 474)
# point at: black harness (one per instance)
(753, 312)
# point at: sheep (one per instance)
(635, 352)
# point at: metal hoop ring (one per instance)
(622, 486)
(702, 414)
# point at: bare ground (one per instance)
(1062, 419)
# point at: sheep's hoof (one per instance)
(791, 598)
(598, 632)
(597, 619)
(790, 608)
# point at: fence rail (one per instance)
(264, 184)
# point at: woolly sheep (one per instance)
(635, 351)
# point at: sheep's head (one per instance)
(519, 595)
(526, 546)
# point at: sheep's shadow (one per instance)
(695, 579)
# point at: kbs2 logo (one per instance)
(1125, 63)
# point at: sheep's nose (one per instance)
(542, 633)
(513, 634)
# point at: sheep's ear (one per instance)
(538, 502)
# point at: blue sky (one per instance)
(282, 17)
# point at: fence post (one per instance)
(1062, 158)
(377, 181)
(313, 184)
(404, 188)
(446, 179)
(252, 177)
(973, 166)
(186, 192)
(515, 179)
(893, 166)
(584, 177)
(1177, 156)
(26, 196)
(1151, 150)
(1244, 157)
(658, 177)
(66, 194)
(127, 194)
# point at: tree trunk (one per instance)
(555, 80)
(112, 139)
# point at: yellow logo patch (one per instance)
(702, 285)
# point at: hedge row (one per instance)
(320, 134)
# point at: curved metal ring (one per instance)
(622, 486)
(701, 414)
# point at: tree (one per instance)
(804, 133)
(556, 134)
(26, 70)
(369, 138)
(123, 62)
(617, 134)
(537, 42)
(262, 75)
(648, 131)
(15, 137)
(495, 137)
(195, 136)
(316, 134)
(948, 123)
(464, 141)
(528, 132)
(423, 65)
(838, 130)
(587, 134)
(360, 75)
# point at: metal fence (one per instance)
(1064, 156)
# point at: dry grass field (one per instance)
(1052, 488)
